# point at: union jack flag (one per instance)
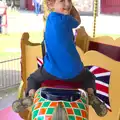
(102, 82)
(39, 62)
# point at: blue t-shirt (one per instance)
(62, 59)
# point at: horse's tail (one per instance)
(60, 113)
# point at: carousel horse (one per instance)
(56, 100)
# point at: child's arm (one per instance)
(75, 14)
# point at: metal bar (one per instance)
(10, 74)
(95, 16)
(10, 60)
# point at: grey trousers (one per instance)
(40, 75)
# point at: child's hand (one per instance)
(32, 92)
(75, 14)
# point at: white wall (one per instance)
(99, 6)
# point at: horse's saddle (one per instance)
(55, 94)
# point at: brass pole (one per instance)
(95, 16)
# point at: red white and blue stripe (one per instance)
(102, 83)
(39, 62)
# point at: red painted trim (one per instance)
(61, 84)
(108, 50)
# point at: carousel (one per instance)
(102, 57)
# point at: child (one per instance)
(62, 61)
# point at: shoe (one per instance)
(21, 104)
(99, 107)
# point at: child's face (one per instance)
(63, 6)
